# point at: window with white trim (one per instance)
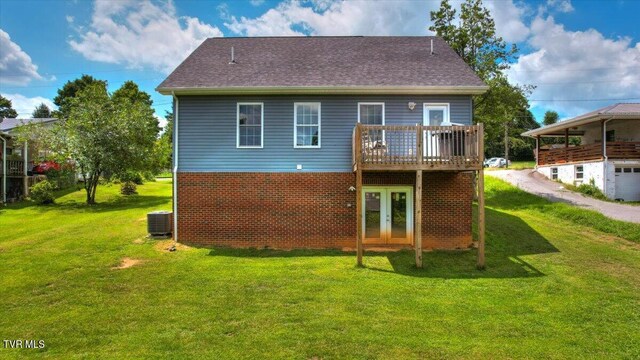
(554, 173)
(371, 113)
(579, 172)
(306, 125)
(250, 123)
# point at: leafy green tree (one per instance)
(109, 133)
(474, 39)
(165, 143)
(6, 108)
(65, 94)
(41, 111)
(550, 117)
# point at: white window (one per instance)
(306, 125)
(554, 173)
(579, 172)
(250, 121)
(371, 113)
(436, 114)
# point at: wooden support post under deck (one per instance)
(358, 154)
(481, 224)
(566, 138)
(417, 232)
(538, 150)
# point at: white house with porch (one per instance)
(608, 154)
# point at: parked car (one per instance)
(497, 162)
(489, 161)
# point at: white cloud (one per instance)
(509, 20)
(364, 17)
(25, 105)
(563, 6)
(16, 66)
(256, 2)
(70, 19)
(570, 65)
(358, 17)
(141, 34)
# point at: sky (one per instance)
(580, 55)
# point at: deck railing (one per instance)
(14, 168)
(402, 147)
(615, 150)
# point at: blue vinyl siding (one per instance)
(207, 131)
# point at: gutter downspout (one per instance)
(176, 115)
(604, 153)
(4, 170)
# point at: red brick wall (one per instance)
(309, 210)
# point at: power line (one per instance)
(585, 69)
(578, 100)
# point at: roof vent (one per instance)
(431, 46)
(233, 58)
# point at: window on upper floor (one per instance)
(250, 123)
(370, 113)
(306, 125)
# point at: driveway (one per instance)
(535, 183)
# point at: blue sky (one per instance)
(581, 54)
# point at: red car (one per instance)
(45, 166)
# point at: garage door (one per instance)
(628, 183)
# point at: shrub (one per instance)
(149, 176)
(128, 188)
(591, 189)
(131, 176)
(42, 192)
(63, 178)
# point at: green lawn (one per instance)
(560, 283)
(517, 165)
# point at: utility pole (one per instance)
(506, 144)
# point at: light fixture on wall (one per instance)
(411, 105)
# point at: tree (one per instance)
(41, 111)
(474, 39)
(109, 133)
(164, 145)
(550, 117)
(69, 91)
(6, 108)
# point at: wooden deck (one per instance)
(428, 148)
(615, 150)
(418, 148)
(15, 168)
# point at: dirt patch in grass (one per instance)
(126, 263)
(167, 245)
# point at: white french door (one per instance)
(387, 214)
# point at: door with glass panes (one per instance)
(387, 215)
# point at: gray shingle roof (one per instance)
(620, 110)
(332, 62)
(8, 124)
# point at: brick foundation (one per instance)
(309, 210)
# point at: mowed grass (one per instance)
(517, 165)
(558, 284)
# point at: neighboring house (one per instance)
(325, 142)
(608, 156)
(15, 172)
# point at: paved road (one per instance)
(535, 183)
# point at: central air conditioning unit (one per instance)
(159, 223)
